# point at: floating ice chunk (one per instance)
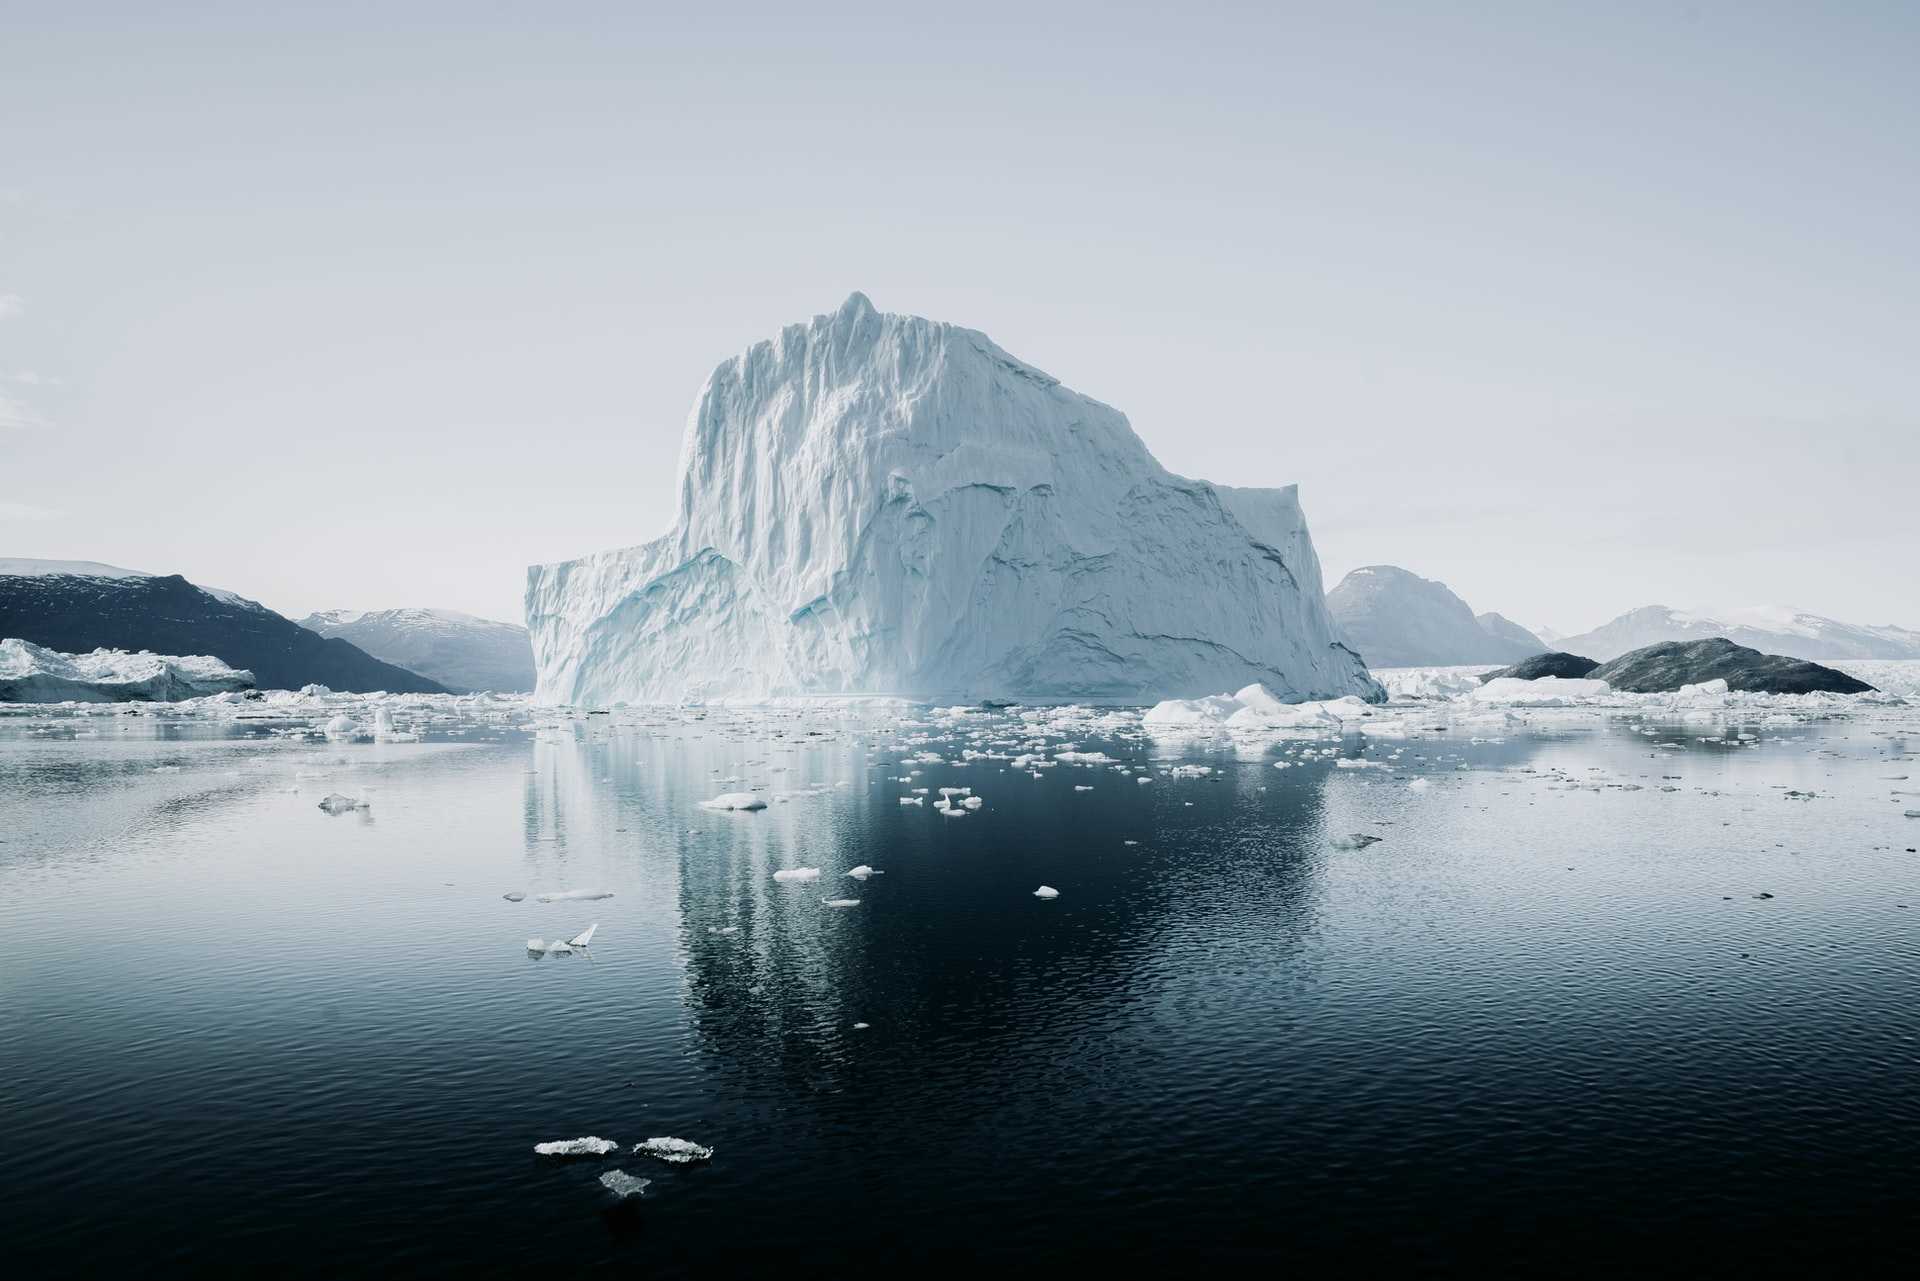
(1355, 841)
(861, 1027)
(570, 896)
(841, 902)
(1420, 784)
(1046, 891)
(1143, 779)
(589, 1146)
(674, 1151)
(863, 872)
(972, 802)
(622, 1184)
(335, 803)
(734, 801)
(1548, 691)
(1211, 710)
(1350, 762)
(1083, 787)
(516, 896)
(314, 691)
(913, 800)
(584, 937)
(797, 874)
(951, 792)
(951, 812)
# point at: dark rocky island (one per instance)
(1565, 666)
(1658, 669)
(79, 612)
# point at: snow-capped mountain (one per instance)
(884, 504)
(1771, 629)
(1396, 618)
(74, 607)
(458, 650)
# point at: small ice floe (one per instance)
(1355, 841)
(335, 803)
(589, 1146)
(674, 1151)
(517, 896)
(1129, 842)
(797, 874)
(951, 811)
(1420, 784)
(1347, 762)
(1143, 779)
(912, 800)
(863, 872)
(584, 937)
(622, 1184)
(723, 929)
(540, 947)
(841, 902)
(972, 802)
(1046, 891)
(1083, 787)
(861, 1027)
(570, 896)
(734, 801)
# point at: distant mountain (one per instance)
(458, 650)
(1398, 619)
(79, 606)
(1774, 629)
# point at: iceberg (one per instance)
(624, 1185)
(30, 673)
(877, 504)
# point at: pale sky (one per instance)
(1574, 307)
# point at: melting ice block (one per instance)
(674, 1151)
(1046, 891)
(735, 801)
(797, 874)
(589, 1146)
(622, 1184)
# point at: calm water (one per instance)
(1544, 1022)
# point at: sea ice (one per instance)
(735, 801)
(797, 874)
(1046, 891)
(335, 803)
(622, 1184)
(569, 896)
(841, 902)
(863, 872)
(589, 1146)
(584, 937)
(674, 1151)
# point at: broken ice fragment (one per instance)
(797, 874)
(734, 801)
(1046, 891)
(334, 803)
(584, 937)
(589, 1146)
(841, 902)
(568, 896)
(863, 872)
(622, 1184)
(1355, 841)
(674, 1151)
(515, 897)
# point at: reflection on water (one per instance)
(1548, 1003)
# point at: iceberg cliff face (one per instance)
(879, 504)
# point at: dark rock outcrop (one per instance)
(1660, 668)
(1565, 666)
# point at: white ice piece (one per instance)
(1046, 891)
(570, 896)
(674, 1151)
(622, 1184)
(797, 874)
(862, 872)
(589, 1146)
(335, 803)
(841, 902)
(735, 801)
(584, 937)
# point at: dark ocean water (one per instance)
(1544, 1024)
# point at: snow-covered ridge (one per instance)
(458, 650)
(1772, 629)
(26, 567)
(32, 674)
(881, 504)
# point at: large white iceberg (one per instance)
(32, 674)
(880, 504)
